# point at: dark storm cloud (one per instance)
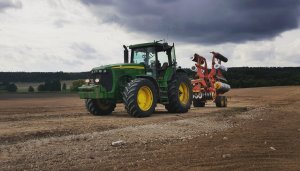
(202, 21)
(4, 4)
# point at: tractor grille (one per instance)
(105, 79)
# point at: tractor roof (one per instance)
(157, 44)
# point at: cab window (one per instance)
(173, 56)
(143, 56)
(162, 57)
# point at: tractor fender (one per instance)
(179, 70)
(125, 78)
(152, 80)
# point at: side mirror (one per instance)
(174, 63)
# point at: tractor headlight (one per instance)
(97, 80)
(87, 81)
(104, 71)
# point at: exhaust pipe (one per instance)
(125, 54)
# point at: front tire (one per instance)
(140, 97)
(180, 94)
(99, 107)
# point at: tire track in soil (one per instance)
(65, 131)
(161, 133)
(40, 116)
(19, 138)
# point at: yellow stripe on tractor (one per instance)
(129, 67)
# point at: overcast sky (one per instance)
(76, 35)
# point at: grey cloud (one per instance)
(84, 51)
(205, 21)
(4, 4)
(72, 62)
(83, 47)
(61, 23)
(97, 2)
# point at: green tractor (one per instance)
(148, 77)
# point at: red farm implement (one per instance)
(209, 84)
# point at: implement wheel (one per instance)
(99, 107)
(198, 103)
(221, 101)
(140, 97)
(180, 94)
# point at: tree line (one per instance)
(47, 86)
(238, 77)
(41, 76)
(10, 87)
(244, 77)
(263, 77)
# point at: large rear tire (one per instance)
(180, 94)
(140, 97)
(99, 107)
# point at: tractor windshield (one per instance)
(144, 56)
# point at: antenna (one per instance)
(168, 30)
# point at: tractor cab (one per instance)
(156, 57)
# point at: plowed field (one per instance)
(259, 130)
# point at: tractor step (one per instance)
(163, 95)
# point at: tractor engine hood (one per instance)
(118, 66)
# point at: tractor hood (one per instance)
(119, 66)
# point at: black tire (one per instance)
(198, 103)
(218, 101)
(225, 101)
(175, 106)
(221, 101)
(99, 107)
(130, 97)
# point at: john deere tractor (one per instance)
(149, 76)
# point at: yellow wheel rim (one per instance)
(144, 98)
(183, 93)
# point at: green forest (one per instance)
(41, 76)
(245, 77)
(263, 77)
(238, 77)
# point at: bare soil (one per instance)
(259, 130)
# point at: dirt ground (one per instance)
(259, 130)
